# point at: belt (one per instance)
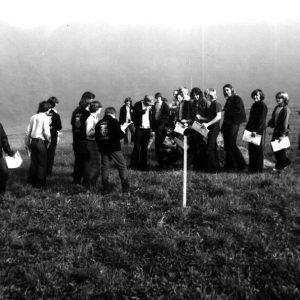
(37, 139)
(142, 127)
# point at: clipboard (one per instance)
(15, 161)
(250, 139)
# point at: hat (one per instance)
(149, 100)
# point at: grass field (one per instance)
(239, 238)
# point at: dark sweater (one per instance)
(234, 111)
(79, 117)
(4, 143)
(257, 118)
(138, 112)
(122, 116)
(55, 124)
(108, 134)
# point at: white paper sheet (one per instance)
(248, 138)
(200, 128)
(285, 143)
(15, 161)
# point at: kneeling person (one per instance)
(108, 134)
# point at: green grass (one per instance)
(239, 238)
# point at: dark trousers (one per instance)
(256, 157)
(118, 158)
(38, 164)
(130, 128)
(233, 156)
(281, 159)
(3, 175)
(81, 156)
(140, 149)
(212, 156)
(50, 156)
(197, 148)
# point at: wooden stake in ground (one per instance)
(184, 170)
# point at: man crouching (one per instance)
(108, 134)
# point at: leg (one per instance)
(120, 162)
(3, 175)
(42, 164)
(105, 160)
(212, 152)
(135, 155)
(143, 165)
(50, 157)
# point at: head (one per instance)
(94, 106)
(148, 100)
(228, 90)
(257, 95)
(128, 101)
(184, 91)
(44, 106)
(158, 96)
(86, 99)
(210, 94)
(196, 93)
(282, 98)
(169, 127)
(175, 92)
(110, 111)
(53, 101)
(179, 96)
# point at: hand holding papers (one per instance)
(283, 144)
(180, 128)
(248, 137)
(200, 128)
(14, 161)
(125, 125)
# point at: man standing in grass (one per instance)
(108, 134)
(3, 167)
(79, 117)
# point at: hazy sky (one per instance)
(133, 47)
(53, 13)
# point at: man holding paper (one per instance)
(256, 129)
(280, 123)
(4, 145)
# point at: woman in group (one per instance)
(213, 125)
(37, 138)
(234, 116)
(257, 126)
(280, 123)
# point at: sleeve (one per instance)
(4, 142)
(235, 108)
(89, 128)
(47, 133)
(116, 129)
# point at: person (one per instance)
(214, 115)
(126, 117)
(197, 145)
(160, 118)
(78, 119)
(108, 133)
(4, 146)
(92, 164)
(234, 115)
(280, 123)
(257, 126)
(167, 148)
(185, 113)
(38, 137)
(142, 119)
(174, 106)
(55, 127)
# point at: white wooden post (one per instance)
(184, 170)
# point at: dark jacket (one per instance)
(163, 117)
(257, 118)
(79, 117)
(234, 111)
(4, 145)
(186, 110)
(55, 124)
(138, 112)
(108, 134)
(279, 128)
(122, 116)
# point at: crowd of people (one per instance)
(198, 114)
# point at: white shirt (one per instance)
(128, 117)
(90, 124)
(145, 117)
(39, 127)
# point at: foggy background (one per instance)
(118, 60)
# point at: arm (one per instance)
(5, 144)
(47, 133)
(214, 120)
(89, 128)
